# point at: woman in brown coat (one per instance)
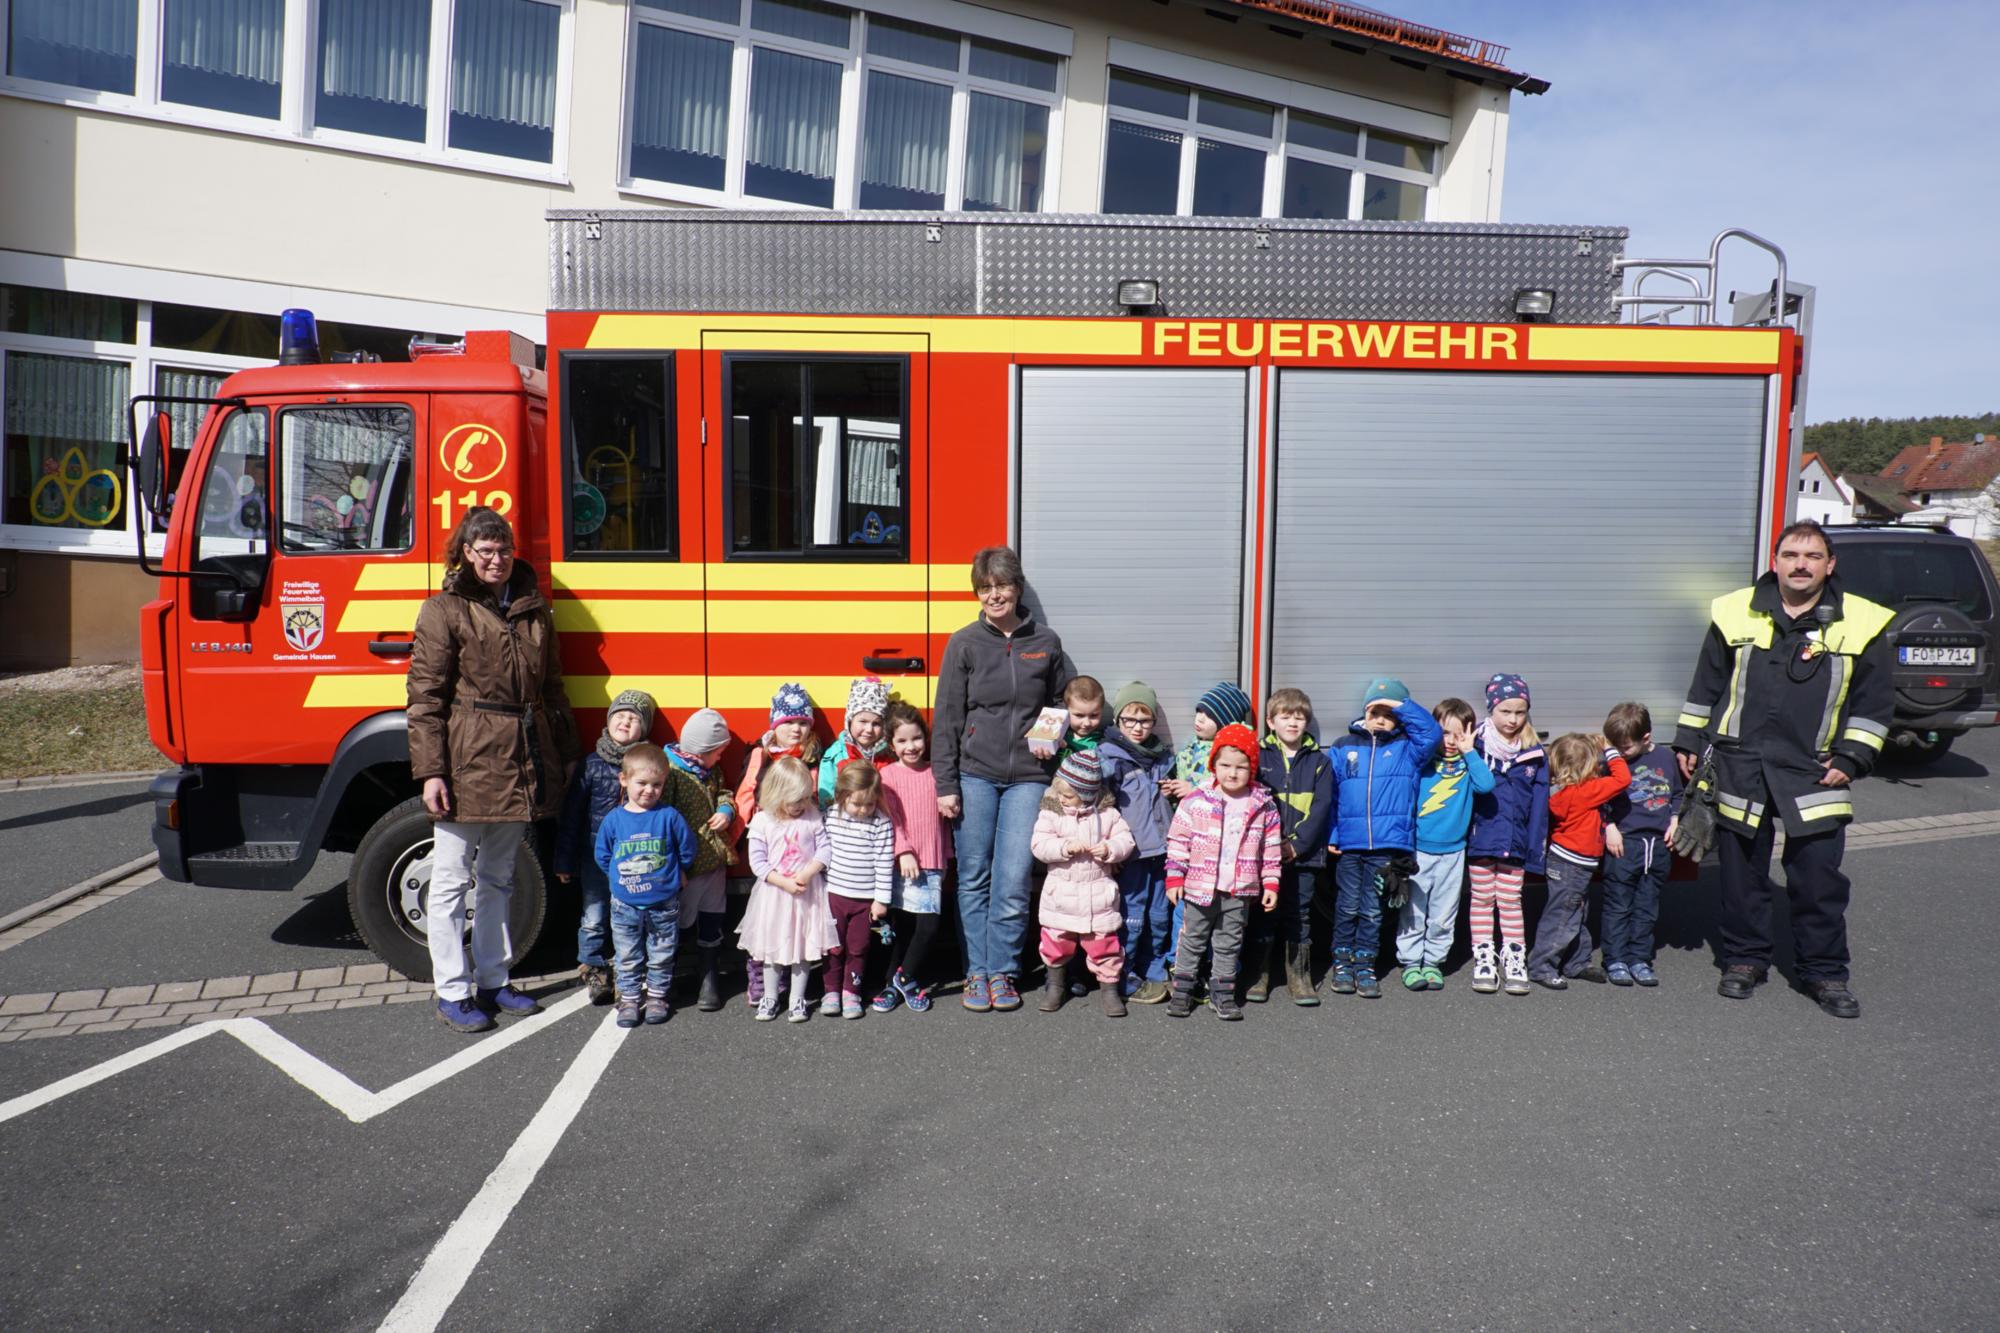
(492, 741)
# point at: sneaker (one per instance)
(1005, 997)
(829, 1004)
(464, 1016)
(1365, 984)
(1413, 978)
(1150, 992)
(1514, 967)
(801, 1011)
(657, 1009)
(1433, 978)
(507, 1000)
(1618, 974)
(597, 981)
(891, 996)
(1590, 972)
(1549, 980)
(628, 1011)
(851, 1006)
(1643, 975)
(1834, 998)
(1181, 1004)
(1485, 969)
(978, 996)
(767, 1008)
(1341, 980)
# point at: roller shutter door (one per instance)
(1571, 528)
(1131, 506)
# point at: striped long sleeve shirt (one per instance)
(864, 855)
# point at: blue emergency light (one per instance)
(298, 339)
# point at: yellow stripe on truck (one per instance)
(646, 615)
(1045, 337)
(674, 693)
(1675, 346)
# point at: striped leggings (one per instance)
(1496, 891)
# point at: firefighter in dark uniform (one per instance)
(1794, 692)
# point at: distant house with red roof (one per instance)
(1822, 497)
(1950, 482)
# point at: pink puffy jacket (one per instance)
(1081, 893)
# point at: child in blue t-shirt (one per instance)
(1638, 830)
(644, 849)
(1445, 789)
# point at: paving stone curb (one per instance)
(49, 780)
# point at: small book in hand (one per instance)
(1050, 727)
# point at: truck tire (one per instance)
(387, 881)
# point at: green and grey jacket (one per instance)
(1778, 698)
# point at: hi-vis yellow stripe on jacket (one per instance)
(1781, 700)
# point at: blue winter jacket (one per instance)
(593, 794)
(1511, 822)
(1134, 777)
(1375, 776)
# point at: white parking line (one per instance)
(465, 1243)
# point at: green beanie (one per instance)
(1137, 692)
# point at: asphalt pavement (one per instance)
(51, 837)
(1599, 1157)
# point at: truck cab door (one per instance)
(300, 503)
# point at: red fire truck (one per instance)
(767, 445)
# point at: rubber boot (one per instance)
(1114, 1003)
(1055, 986)
(1298, 974)
(1261, 962)
(710, 998)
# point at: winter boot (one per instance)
(1341, 980)
(1261, 961)
(1222, 998)
(1181, 1003)
(597, 981)
(1055, 986)
(710, 997)
(1298, 974)
(1485, 968)
(1114, 1003)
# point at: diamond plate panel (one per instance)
(1055, 265)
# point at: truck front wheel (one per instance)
(389, 880)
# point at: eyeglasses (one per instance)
(1135, 722)
(994, 590)
(488, 554)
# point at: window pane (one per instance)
(503, 78)
(56, 314)
(1228, 180)
(715, 11)
(65, 439)
(680, 108)
(374, 58)
(233, 518)
(765, 456)
(794, 121)
(809, 20)
(1006, 147)
(1396, 151)
(347, 478)
(1142, 168)
(1385, 200)
(1013, 64)
(224, 54)
(1315, 190)
(229, 332)
(1143, 94)
(83, 43)
(904, 142)
(857, 444)
(914, 42)
(1235, 113)
(1896, 572)
(186, 418)
(1329, 136)
(619, 447)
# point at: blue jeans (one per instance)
(593, 933)
(1564, 921)
(1357, 908)
(646, 938)
(1147, 934)
(994, 862)
(1632, 885)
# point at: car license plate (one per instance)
(1945, 657)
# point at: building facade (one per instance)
(183, 170)
(1822, 496)
(1955, 483)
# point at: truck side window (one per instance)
(234, 494)
(815, 462)
(346, 474)
(618, 452)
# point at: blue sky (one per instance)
(1862, 138)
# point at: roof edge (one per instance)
(1451, 51)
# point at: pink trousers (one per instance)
(1102, 951)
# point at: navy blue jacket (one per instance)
(593, 794)
(1375, 775)
(1511, 822)
(1304, 788)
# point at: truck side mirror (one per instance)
(153, 449)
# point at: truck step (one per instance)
(247, 851)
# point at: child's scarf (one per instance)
(610, 751)
(1500, 752)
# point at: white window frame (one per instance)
(855, 63)
(298, 87)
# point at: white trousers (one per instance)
(471, 862)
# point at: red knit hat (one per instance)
(1235, 736)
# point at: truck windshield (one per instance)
(1898, 573)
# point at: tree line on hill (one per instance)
(1856, 445)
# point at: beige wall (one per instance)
(66, 610)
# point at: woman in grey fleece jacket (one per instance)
(998, 673)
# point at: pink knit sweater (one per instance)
(1194, 848)
(912, 808)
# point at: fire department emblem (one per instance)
(305, 625)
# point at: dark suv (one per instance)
(1947, 626)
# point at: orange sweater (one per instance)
(1576, 816)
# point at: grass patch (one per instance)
(100, 729)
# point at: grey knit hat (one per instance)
(634, 701)
(703, 732)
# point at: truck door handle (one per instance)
(390, 647)
(893, 663)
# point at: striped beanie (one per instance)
(1226, 703)
(1080, 770)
